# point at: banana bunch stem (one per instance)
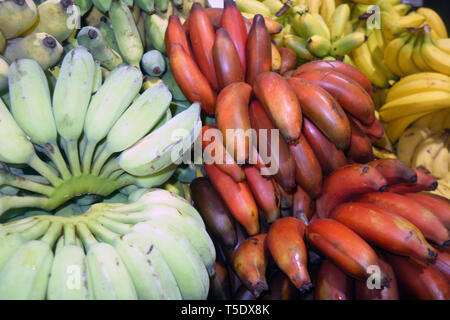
(25, 184)
(44, 170)
(12, 202)
(73, 157)
(54, 153)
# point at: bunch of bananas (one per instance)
(423, 98)
(111, 135)
(154, 247)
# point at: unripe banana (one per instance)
(4, 67)
(126, 32)
(108, 34)
(273, 5)
(153, 63)
(155, 29)
(146, 5)
(170, 81)
(298, 45)
(347, 44)
(327, 9)
(313, 24)
(42, 47)
(338, 21)
(162, 5)
(30, 101)
(55, 19)
(16, 17)
(318, 46)
(102, 5)
(84, 5)
(92, 39)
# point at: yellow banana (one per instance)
(405, 57)
(417, 54)
(253, 6)
(400, 90)
(434, 21)
(402, 8)
(327, 9)
(436, 58)
(391, 54)
(443, 44)
(276, 58)
(395, 129)
(319, 46)
(338, 21)
(314, 6)
(347, 43)
(412, 20)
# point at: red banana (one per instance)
(362, 291)
(215, 152)
(394, 170)
(214, 212)
(258, 49)
(360, 149)
(250, 263)
(385, 230)
(288, 60)
(302, 206)
(287, 199)
(431, 227)
(237, 197)
(281, 104)
(424, 283)
(273, 27)
(443, 264)
(202, 36)
(332, 283)
(321, 108)
(266, 193)
(341, 67)
(344, 248)
(233, 22)
(425, 182)
(226, 60)
(214, 15)
(346, 183)
(175, 34)
(219, 284)
(282, 160)
(233, 120)
(280, 288)
(287, 248)
(243, 294)
(308, 172)
(375, 130)
(329, 157)
(190, 79)
(350, 95)
(439, 205)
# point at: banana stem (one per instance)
(52, 233)
(116, 174)
(110, 167)
(88, 155)
(117, 227)
(11, 202)
(69, 234)
(23, 183)
(86, 236)
(20, 225)
(101, 232)
(74, 158)
(36, 231)
(44, 170)
(100, 160)
(55, 155)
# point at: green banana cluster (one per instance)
(154, 246)
(97, 135)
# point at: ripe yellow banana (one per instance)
(434, 20)
(443, 44)
(403, 89)
(409, 140)
(412, 20)
(318, 46)
(418, 60)
(405, 57)
(395, 128)
(253, 6)
(391, 54)
(327, 9)
(436, 58)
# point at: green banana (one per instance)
(108, 275)
(156, 179)
(71, 99)
(98, 77)
(4, 68)
(155, 29)
(338, 21)
(25, 275)
(180, 132)
(16, 17)
(318, 46)
(110, 101)
(184, 262)
(54, 19)
(126, 33)
(311, 24)
(108, 33)
(102, 5)
(347, 44)
(170, 81)
(153, 63)
(84, 5)
(135, 122)
(146, 5)
(42, 47)
(162, 5)
(298, 45)
(92, 39)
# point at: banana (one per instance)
(400, 89)
(102, 5)
(184, 262)
(54, 17)
(443, 44)
(437, 59)
(180, 132)
(391, 54)
(427, 150)
(363, 60)
(146, 5)
(110, 101)
(276, 60)
(42, 47)
(126, 33)
(405, 57)
(31, 108)
(412, 20)
(153, 63)
(428, 101)
(84, 5)
(16, 17)
(298, 45)
(135, 122)
(162, 5)
(93, 40)
(440, 165)
(4, 68)
(347, 44)
(156, 179)
(273, 5)
(71, 99)
(253, 6)
(402, 8)
(107, 31)
(434, 20)
(377, 52)
(326, 11)
(155, 28)
(25, 275)
(417, 57)
(338, 21)
(68, 277)
(318, 46)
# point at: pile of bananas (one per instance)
(154, 247)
